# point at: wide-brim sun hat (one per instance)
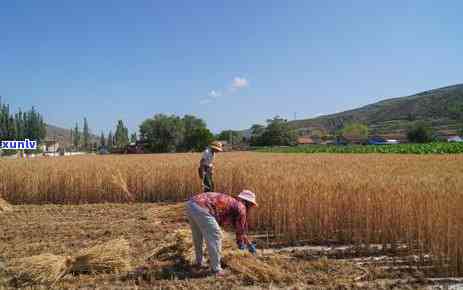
(248, 196)
(217, 146)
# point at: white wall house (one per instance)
(50, 146)
(454, 139)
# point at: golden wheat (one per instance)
(415, 200)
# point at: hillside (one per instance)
(392, 117)
(63, 136)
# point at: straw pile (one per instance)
(169, 213)
(251, 268)
(41, 269)
(48, 269)
(112, 256)
(5, 206)
(178, 248)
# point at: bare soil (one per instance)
(65, 229)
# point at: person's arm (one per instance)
(241, 227)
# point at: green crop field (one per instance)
(429, 148)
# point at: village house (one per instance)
(454, 139)
(305, 140)
(50, 146)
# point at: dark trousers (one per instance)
(205, 173)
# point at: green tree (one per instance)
(76, 140)
(133, 138)
(196, 136)
(20, 125)
(4, 122)
(199, 139)
(318, 135)
(72, 136)
(355, 131)
(278, 133)
(190, 125)
(102, 140)
(122, 135)
(35, 128)
(110, 141)
(162, 133)
(234, 137)
(256, 134)
(86, 136)
(11, 127)
(420, 132)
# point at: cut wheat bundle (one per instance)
(47, 269)
(178, 247)
(41, 269)
(251, 268)
(112, 256)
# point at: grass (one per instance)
(360, 199)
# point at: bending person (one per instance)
(208, 211)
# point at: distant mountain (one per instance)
(392, 117)
(63, 136)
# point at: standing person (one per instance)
(208, 211)
(206, 166)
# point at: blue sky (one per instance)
(232, 63)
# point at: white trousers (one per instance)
(205, 227)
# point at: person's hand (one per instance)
(252, 248)
(241, 246)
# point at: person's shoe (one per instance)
(219, 274)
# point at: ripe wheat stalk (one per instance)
(386, 199)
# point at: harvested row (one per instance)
(412, 200)
(48, 269)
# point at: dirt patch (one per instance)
(64, 230)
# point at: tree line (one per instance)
(82, 140)
(159, 134)
(278, 132)
(21, 125)
(171, 133)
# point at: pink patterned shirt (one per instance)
(227, 211)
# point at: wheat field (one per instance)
(361, 199)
